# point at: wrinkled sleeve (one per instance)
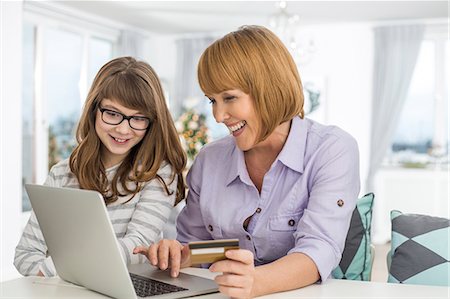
(322, 230)
(151, 214)
(190, 224)
(31, 252)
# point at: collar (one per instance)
(238, 167)
(292, 154)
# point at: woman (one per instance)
(284, 185)
(129, 151)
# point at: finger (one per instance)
(231, 280)
(234, 292)
(175, 260)
(163, 255)
(185, 256)
(238, 262)
(153, 254)
(230, 266)
(140, 249)
(240, 255)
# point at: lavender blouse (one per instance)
(305, 205)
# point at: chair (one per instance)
(358, 255)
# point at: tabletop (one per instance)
(39, 287)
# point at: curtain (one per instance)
(131, 43)
(187, 93)
(395, 55)
(396, 52)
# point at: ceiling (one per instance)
(204, 16)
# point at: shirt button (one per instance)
(340, 202)
(258, 210)
(248, 237)
(291, 222)
(210, 228)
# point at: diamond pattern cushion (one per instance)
(356, 262)
(420, 249)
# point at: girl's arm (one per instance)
(31, 252)
(171, 253)
(149, 217)
(31, 256)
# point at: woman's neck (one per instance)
(260, 158)
(272, 146)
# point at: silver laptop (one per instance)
(82, 243)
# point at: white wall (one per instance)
(11, 134)
(417, 191)
(344, 60)
(161, 53)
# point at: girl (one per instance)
(129, 151)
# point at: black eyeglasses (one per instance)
(112, 117)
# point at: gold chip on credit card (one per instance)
(206, 252)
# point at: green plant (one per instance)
(193, 132)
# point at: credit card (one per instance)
(206, 252)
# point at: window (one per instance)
(61, 104)
(27, 109)
(59, 64)
(421, 137)
(100, 51)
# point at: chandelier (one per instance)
(285, 26)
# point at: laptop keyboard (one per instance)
(146, 287)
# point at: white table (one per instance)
(38, 287)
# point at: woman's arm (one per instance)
(190, 222)
(290, 272)
(240, 279)
(333, 191)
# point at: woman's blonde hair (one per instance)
(135, 85)
(254, 60)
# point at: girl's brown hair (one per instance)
(255, 60)
(135, 85)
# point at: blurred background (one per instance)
(377, 69)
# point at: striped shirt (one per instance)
(136, 222)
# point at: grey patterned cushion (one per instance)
(420, 249)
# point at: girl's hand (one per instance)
(166, 254)
(237, 279)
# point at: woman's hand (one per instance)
(166, 254)
(238, 274)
